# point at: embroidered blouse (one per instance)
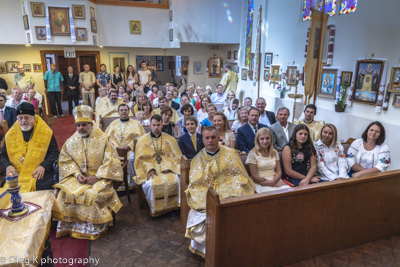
(331, 161)
(378, 158)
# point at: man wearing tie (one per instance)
(71, 85)
(7, 113)
(191, 143)
(247, 133)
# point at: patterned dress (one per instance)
(300, 163)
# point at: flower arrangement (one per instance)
(340, 104)
(282, 88)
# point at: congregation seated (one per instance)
(121, 133)
(212, 167)
(242, 119)
(225, 135)
(152, 94)
(202, 112)
(230, 95)
(175, 96)
(266, 117)
(108, 107)
(264, 164)
(38, 96)
(102, 94)
(33, 100)
(140, 117)
(331, 160)
(162, 102)
(33, 163)
(219, 96)
(6, 113)
(121, 89)
(147, 110)
(185, 100)
(208, 90)
(299, 158)
(232, 109)
(86, 193)
(282, 129)
(211, 110)
(248, 103)
(247, 133)
(191, 142)
(190, 92)
(126, 98)
(156, 100)
(187, 110)
(169, 126)
(3, 92)
(157, 167)
(172, 104)
(314, 126)
(369, 154)
(140, 98)
(17, 100)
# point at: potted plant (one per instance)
(340, 104)
(282, 88)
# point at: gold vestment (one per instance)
(174, 117)
(122, 134)
(314, 127)
(225, 173)
(83, 203)
(164, 186)
(229, 81)
(105, 109)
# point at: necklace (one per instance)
(167, 128)
(158, 151)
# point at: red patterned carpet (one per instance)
(67, 247)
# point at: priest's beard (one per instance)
(113, 102)
(85, 134)
(26, 128)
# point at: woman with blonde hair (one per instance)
(242, 118)
(147, 109)
(225, 134)
(331, 159)
(264, 164)
(140, 98)
(190, 93)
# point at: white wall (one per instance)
(372, 29)
(12, 30)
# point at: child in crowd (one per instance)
(141, 120)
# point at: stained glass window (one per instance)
(348, 6)
(249, 32)
(330, 8)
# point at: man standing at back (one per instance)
(87, 81)
(282, 129)
(247, 133)
(103, 78)
(21, 79)
(52, 84)
(71, 86)
(229, 80)
(144, 77)
(266, 117)
(314, 126)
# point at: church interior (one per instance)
(293, 55)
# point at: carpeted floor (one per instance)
(63, 128)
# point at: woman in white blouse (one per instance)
(202, 112)
(264, 164)
(331, 160)
(242, 119)
(369, 154)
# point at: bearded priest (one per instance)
(88, 166)
(158, 166)
(108, 107)
(30, 150)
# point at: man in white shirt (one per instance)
(282, 129)
(17, 99)
(219, 97)
(248, 102)
(266, 117)
(144, 77)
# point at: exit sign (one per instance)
(69, 52)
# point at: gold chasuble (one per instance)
(226, 174)
(175, 115)
(105, 109)
(86, 208)
(229, 81)
(160, 154)
(314, 127)
(27, 156)
(123, 133)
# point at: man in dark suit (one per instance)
(71, 85)
(172, 104)
(282, 129)
(247, 133)
(266, 117)
(7, 113)
(190, 140)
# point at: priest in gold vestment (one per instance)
(30, 150)
(121, 133)
(157, 167)
(109, 106)
(163, 102)
(88, 166)
(229, 79)
(314, 126)
(215, 166)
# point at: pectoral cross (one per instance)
(158, 158)
(215, 185)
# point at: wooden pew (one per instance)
(105, 122)
(286, 226)
(147, 128)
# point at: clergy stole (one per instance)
(27, 156)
